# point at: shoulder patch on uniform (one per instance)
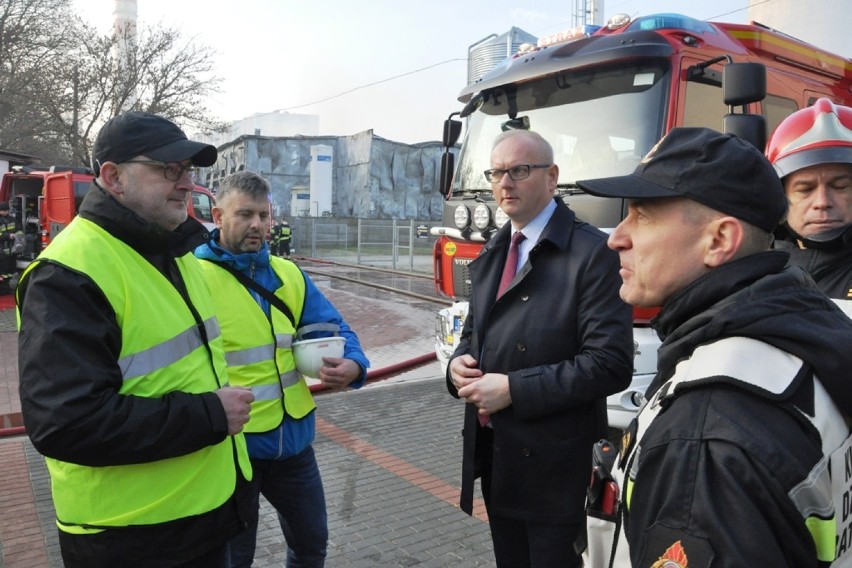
(670, 548)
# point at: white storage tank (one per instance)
(322, 169)
(300, 201)
(487, 53)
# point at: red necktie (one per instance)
(509, 271)
(511, 263)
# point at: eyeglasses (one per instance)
(172, 172)
(516, 173)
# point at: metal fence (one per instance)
(399, 244)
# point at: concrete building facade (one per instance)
(372, 177)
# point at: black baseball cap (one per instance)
(4, 205)
(137, 133)
(718, 170)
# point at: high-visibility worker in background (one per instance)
(8, 228)
(279, 241)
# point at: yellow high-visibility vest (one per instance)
(162, 351)
(258, 351)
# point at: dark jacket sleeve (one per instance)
(463, 347)
(716, 480)
(68, 348)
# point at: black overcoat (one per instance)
(564, 337)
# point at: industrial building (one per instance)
(362, 175)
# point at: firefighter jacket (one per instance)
(280, 233)
(718, 475)
(8, 227)
(295, 433)
(259, 355)
(119, 358)
(830, 265)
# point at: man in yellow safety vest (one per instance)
(122, 367)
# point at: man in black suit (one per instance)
(537, 358)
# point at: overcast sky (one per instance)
(285, 54)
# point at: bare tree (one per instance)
(56, 102)
(33, 35)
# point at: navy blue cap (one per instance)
(137, 133)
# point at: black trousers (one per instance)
(527, 544)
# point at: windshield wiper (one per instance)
(568, 189)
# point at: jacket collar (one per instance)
(558, 230)
(245, 261)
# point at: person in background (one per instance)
(727, 464)
(279, 241)
(545, 341)
(812, 154)
(264, 303)
(8, 228)
(285, 234)
(123, 383)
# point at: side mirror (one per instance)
(452, 130)
(743, 83)
(749, 127)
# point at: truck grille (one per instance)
(461, 281)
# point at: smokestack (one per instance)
(124, 18)
(124, 29)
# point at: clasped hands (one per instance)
(488, 391)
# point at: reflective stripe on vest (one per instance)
(731, 361)
(259, 355)
(88, 499)
(168, 352)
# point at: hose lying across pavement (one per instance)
(377, 375)
(373, 376)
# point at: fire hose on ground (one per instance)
(373, 376)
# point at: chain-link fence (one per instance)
(403, 244)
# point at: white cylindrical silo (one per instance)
(322, 168)
(300, 201)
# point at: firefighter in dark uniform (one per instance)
(8, 228)
(284, 237)
(280, 238)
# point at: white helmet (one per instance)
(309, 353)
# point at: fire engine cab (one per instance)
(45, 199)
(603, 96)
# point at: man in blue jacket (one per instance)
(264, 303)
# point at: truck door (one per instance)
(58, 206)
(200, 207)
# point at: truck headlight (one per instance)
(462, 217)
(500, 218)
(481, 216)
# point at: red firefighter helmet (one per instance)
(819, 134)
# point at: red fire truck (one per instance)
(603, 97)
(45, 199)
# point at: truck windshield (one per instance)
(600, 121)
